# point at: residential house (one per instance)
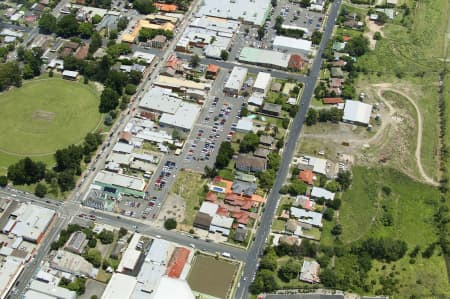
(318, 192)
(244, 188)
(332, 101)
(307, 217)
(306, 176)
(246, 162)
(271, 109)
(303, 202)
(310, 272)
(336, 72)
(221, 224)
(203, 221)
(295, 63)
(266, 140)
(240, 234)
(262, 152)
(276, 87)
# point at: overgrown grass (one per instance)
(189, 186)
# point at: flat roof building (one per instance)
(159, 99)
(310, 271)
(51, 290)
(263, 57)
(158, 252)
(236, 80)
(119, 183)
(356, 112)
(31, 222)
(119, 286)
(173, 288)
(184, 118)
(318, 192)
(131, 255)
(292, 45)
(10, 269)
(248, 11)
(308, 217)
(262, 83)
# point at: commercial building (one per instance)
(118, 183)
(248, 11)
(10, 269)
(221, 224)
(262, 83)
(161, 100)
(236, 80)
(292, 45)
(72, 263)
(173, 288)
(317, 165)
(130, 256)
(158, 252)
(29, 222)
(266, 58)
(155, 22)
(179, 84)
(119, 286)
(184, 118)
(147, 57)
(47, 290)
(356, 112)
(76, 242)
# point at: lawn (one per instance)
(45, 115)
(410, 53)
(189, 186)
(411, 206)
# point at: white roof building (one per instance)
(123, 148)
(292, 45)
(173, 288)
(236, 79)
(221, 224)
(184, 118)
(317, 165)
(265, 57)
(10, 269)
(70, 74)
(147, 57)
(32, 222)
(256, 100)
(160, 99)
(244, 125)
(318, 192)
(131, 255)
(308, 217)
(52, 290)
(120, 180)
(250, 11)
(209, 208)
(357, 112)
(119, 286)
(158, 252)
(262, 83)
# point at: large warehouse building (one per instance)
(356, 112)
(263, 57)
(254, 12)
(292, 45)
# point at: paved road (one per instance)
(289, 150)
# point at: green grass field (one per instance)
(410, 54)
(412, 206)
(45, 115)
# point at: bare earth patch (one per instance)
(43, 115)
(373, 27)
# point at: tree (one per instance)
(96, 42)
(122, 23)
(122, 232)
(67, 26)
(135, 77)
(264, 282)
(108, 100)
(316, 37)
(130, 89)
(144, 7)
(244, 112)
(66, 180)
(297, 187)
(333, 186)
(224, 155)
(47, 23)
(86, 30)
(305, 3)
(170, 224)
(266, 178)
(344, 178)
(328, 214)
(26, 171)
(3, 181)
(92, 243)
(357, 46)
(328, 278)
(260, 33)
(40, 190)
(69, 158)
(289, 271)
(377, 35)
(224, 54)
(94, 256)
(106, 236)
(10, 75)
(116, 80)
(311, 117)
(274, 161)
(249, 143)
(195, 61)
(94, 297)
(336, 230)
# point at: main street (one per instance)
(71, 207)
(272, 201)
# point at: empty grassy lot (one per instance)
(410, 56)
(45, 115)
(411, 205)
(189, 186)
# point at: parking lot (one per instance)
(218, 117)
(294, 15)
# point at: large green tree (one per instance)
(47, 23)
(109, 100)
(249, 143)
(67, 26)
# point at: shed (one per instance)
(70, 75)
(271, 109)
(357, 112)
